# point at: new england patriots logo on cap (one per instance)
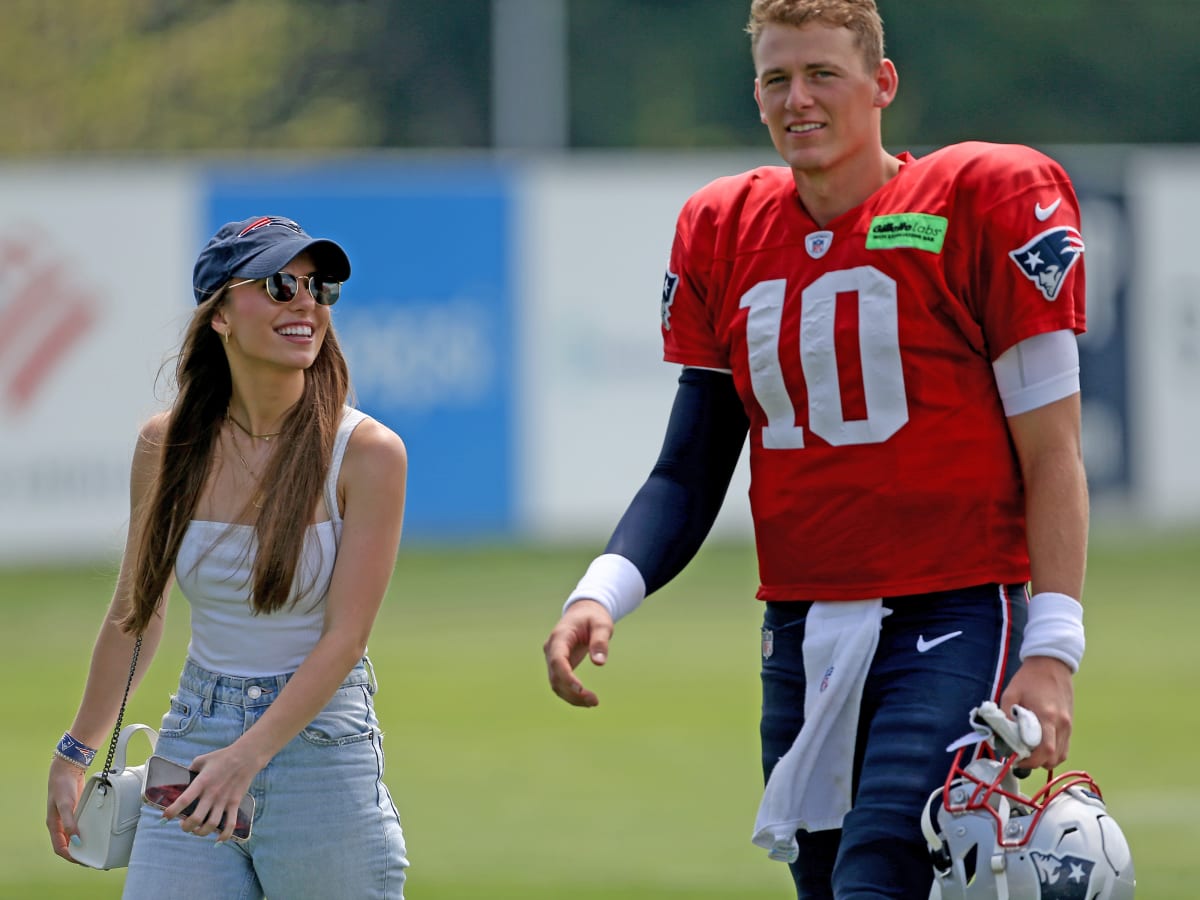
(270, 220)
(1065, 878)
(1047, 258)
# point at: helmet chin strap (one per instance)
(928, 828)
(999, 860)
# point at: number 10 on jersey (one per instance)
(879, 356)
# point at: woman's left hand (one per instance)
(223, 778)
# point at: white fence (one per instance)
(93, 292)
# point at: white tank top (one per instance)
(214, 572)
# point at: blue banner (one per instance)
(1104, 348)
(426, 319)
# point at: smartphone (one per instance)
(166, 780)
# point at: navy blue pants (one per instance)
(917, 699)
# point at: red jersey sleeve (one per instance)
(1027, 276)
(691, 298)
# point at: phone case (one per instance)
(166, 780)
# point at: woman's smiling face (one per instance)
(287, 335)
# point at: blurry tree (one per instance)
(661, 74)
(678, 74)
(170, 76)
(97, 76)
(1044, 71)
(422, 68)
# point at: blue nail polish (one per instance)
(75, 841)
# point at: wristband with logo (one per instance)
(74, 751)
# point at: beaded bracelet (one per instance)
(74, 751)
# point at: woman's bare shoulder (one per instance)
(374, 449)
(154, 429)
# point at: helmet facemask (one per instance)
(989, 841)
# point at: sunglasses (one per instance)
(282, 287)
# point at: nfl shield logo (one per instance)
(817, 243)
(825, 680)
(768, 643)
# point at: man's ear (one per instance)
(887, 82)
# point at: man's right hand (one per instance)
(584, 630)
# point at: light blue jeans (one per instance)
(324, 823)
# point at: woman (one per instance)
(279, 510)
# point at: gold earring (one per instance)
(228, 331)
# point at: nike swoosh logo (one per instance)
(1043, 214)
(924, 645)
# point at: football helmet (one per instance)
(988, 841)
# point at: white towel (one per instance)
(809, 787)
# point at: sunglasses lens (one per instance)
(282, 287)
(324, 290)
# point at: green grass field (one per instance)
(506, 792)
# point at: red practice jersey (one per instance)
(880, 460)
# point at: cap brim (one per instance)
(329, 258)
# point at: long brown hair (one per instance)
(186, 457)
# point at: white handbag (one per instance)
(109, 808)
(111, 802)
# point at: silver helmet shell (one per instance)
(988, 841)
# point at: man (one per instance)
(897, 338)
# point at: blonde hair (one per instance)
(859, 16)
(292, 484)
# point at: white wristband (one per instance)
(1055, 629)
(613, 582)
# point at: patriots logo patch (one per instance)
(263, 221)
(1065, 878)
(1046, 259)
(670, 282)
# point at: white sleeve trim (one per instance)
(1037, 371)
(612, 581)
(1055, 629)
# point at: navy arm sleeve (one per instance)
(672, 513)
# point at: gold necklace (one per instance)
(255, 477)
(247, 431)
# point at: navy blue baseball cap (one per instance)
(258, 247)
